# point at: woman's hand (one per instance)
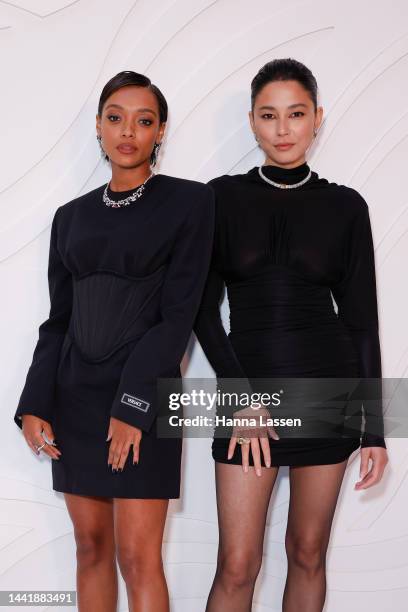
(379, 457)
(123, 436)
(33, 427)
(258, 436)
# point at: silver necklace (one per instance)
(284, 185)
(126, 201)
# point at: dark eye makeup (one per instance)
(145, 121)
(269, 115)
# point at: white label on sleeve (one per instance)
(131, 400)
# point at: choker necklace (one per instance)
(284, 185)
(126, 201)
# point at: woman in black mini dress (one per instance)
(286, 239)
(127, 266)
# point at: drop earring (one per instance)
(103, 154)
(153, 157)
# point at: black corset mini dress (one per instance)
(125, 286)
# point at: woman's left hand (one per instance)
(379, 457)
(122, 436)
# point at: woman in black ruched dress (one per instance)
(280, 257)
(282, 252)
(127, 267)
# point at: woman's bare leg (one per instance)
(139, 526)
(242, 503)
(314, 492)
(97, 581)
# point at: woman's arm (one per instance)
(160, 350)
(356, 297)
(208, 325)
(211, 333)
(38, 394)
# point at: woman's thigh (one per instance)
(242, 504)
(92, 518)
(314, 491)
(139, 527)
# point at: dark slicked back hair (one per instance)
(285, 69)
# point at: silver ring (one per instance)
(40, 447)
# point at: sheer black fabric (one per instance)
(282, 254)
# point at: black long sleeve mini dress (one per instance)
(282, 254)
(125, 286)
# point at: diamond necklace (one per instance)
(284, 185)
(126, 201)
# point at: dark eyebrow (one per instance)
(290, 106)
(139, 110)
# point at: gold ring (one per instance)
(244, 440)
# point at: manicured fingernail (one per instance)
(246, 468)
(258, 472)
(268, 464)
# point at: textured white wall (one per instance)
(56, 56)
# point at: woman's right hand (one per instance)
(33, 427)
(257, 435)
(122, 436)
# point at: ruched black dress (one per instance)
(125, 286)
(282, 254)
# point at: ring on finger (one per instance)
(242, 440)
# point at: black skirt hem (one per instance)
(312, 456)
(88, 493)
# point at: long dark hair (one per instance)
(285, 69)
(128, 77)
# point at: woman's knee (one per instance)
(238, 570)
(307, 552)
(139, 563)
(92, 546)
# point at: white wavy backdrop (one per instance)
(55, 58)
